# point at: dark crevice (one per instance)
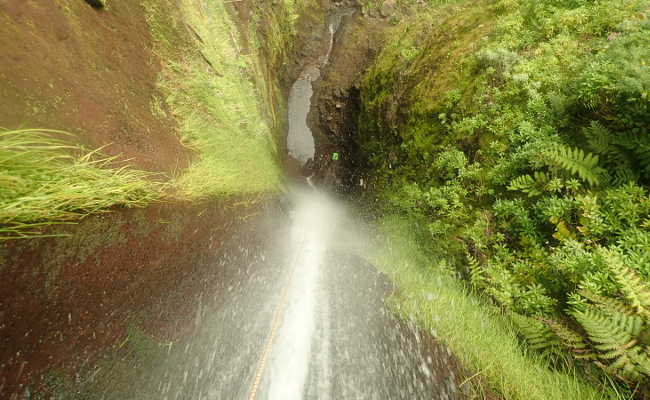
(97, 4)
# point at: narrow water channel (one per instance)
(300, 141)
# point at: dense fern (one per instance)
(642, 152)
(608, 304)
(571, 340)
(599, 139)
(626, 154)
(617, 328)
(551, 131)
(615, 337)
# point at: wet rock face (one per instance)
(338, 161)
(335, 104)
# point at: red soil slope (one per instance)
(65, 300)
(66, 65)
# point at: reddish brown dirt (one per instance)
(92, 72)
(65, 300)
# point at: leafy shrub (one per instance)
(531, 165)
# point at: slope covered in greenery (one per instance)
(219, 89)
(222, 86)
(515, 133)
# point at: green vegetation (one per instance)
(273, 34)
(44, 178)
(220, 81)
(208, 87)
(516, 133)
(482, 337)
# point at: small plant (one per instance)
(45, 179)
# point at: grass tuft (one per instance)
(44, 179)
(484, 340)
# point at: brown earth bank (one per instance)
(65, 300)
(92, 72)
(335, 103)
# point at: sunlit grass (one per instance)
(44, 179)
(210, 92)
(477, 333)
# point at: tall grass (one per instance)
(44, 179)
(483, 339)
(209, 88)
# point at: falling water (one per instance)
(296, 312)
(300, 141)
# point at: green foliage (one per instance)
(635, 290)
(531, 185)
(577, 162)
(615, 338)
(524, 147)
(613, 332)
(209, 87)
(571, 340)
(480, 335)
(45, 179)
(536, 333)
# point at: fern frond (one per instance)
(631, 362)
(570, 339)
(624, 174)
(630, 283)
(609, 332)
(608, 304)
(531, 185)
(526, 184)
(535, 332)
(476, 273)
(598, 138)
(577, 162)
(642, 359)
(642, 152)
